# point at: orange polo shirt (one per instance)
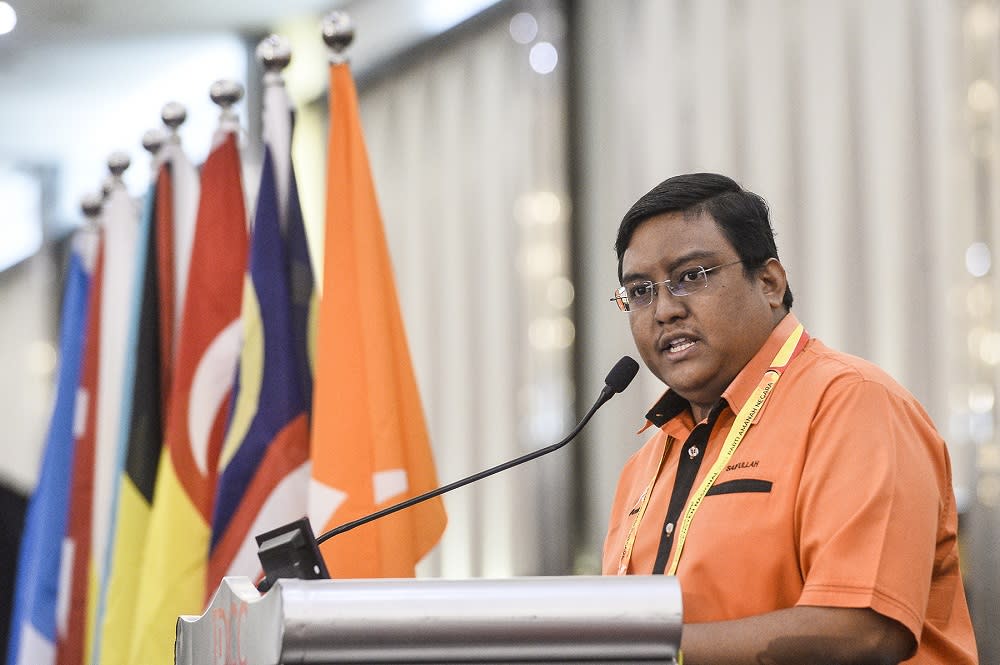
(840, 496)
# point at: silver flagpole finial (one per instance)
(90, 206)
(173, 115)
(153, 140)
(107, 185)
(225, 93)
(338, 33)
(117, 163)
(274, 52)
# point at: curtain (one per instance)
(468, 150)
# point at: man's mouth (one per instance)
(679, 344)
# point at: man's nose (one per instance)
(666, 306)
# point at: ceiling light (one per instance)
(543, 57)
(8, 18)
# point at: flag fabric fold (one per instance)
(96, 449)
(174, 560)
(169, 216)
(121, 237)
(370, 446)
(139, 448)
(71, 602)
(33, 635)
(264, 466)
(269, 433)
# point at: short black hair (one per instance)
(742, 216)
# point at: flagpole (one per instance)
(91, 205)
(173, 115)
(153, 141)
(226, 93)
(338, 33)
(118, 163)
(274, 53)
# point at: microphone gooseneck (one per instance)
(618, 379)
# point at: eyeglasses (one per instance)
(687, 281)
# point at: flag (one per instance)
(121, 233)
(33, 620)
(370, 446)
(264, 466)
(177, 212)
(172, 574)
(97, 451)
(141, 410)
(71, 603)
(147, 377)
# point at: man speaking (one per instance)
(802, 496)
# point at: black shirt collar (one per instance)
(671, 404)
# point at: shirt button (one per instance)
(693, 452)
(669, 529)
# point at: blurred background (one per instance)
(507, 139)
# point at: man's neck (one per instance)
(700, 412)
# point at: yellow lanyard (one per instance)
(744, 419)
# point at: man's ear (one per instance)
(774, 282)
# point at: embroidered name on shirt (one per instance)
(743, 465)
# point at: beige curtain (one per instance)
(848, 117)
(468, 149)
(871, 129)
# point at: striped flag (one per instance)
(96, 456)
(172, 575)
(71, 606)
(148, 381)
(33, 620)
(264, 469)
(178, 194)
(121, 248)
(370, 445)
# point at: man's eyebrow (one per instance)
(680, 261)
(634, 277)
(694, 255)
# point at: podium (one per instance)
(576, 619)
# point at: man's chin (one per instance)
(683, 385)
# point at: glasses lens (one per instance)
(640, 295)
(621, 298)
(688, 282)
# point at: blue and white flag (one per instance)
(34, 621)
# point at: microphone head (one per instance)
(622, 374)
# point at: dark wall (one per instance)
(12, 507)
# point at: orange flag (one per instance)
(370, 447)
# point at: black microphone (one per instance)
(618, 379)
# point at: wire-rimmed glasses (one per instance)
(687, 281)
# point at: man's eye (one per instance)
(692, 275)
(639, 290)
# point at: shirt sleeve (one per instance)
(870, 501)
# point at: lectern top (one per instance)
(576, 619)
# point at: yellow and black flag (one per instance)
(148, 381)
